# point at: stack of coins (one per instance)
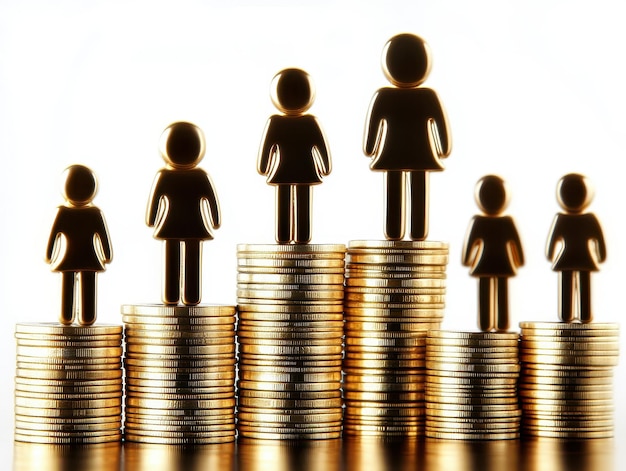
(68, 384)
(566, 383)
(471, 385)
(395, 293)
(180, 374)
(290, 334)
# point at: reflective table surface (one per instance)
(369, 454)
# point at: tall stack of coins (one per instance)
(180, 374)
(471, 385)
(395, 293)
(290, 334)
(68, 383)
(566, 383)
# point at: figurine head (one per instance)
(80, 186)
(182, 145)
(292, 91)
(491, 195)
(574, 193)
(406, 60)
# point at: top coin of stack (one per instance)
(395, 292)
(471, 385)
(180, 374)
(290, 334)
(566, 383)
(68, 383)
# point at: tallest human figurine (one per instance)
(406, 134)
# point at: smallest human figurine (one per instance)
(79, 246)
(493, 250)
(575, 247)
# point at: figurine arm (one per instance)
(53, 247)
(320, 151)
(599, 244)
(375, 128)
(104, 241)
(471, 247)
(439, 129)
(210, 206)
(154, 202)
(267, 149)
(554, 240)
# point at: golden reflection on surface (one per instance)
(274, 455)
(153, 457)
(466, 455)
(44, 457)
(379, 453)
(547, 454)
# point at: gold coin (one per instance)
(56, 363)
(271, 377)
(191, 440)
(392, 364)
(291, 350)
(86, 352)
(470, 383)
(564, 381)
(206, 331)
(68, 389)
(412, 341)
(571, 434)
(290, 395)
(69, 343)
(473, 336)
(162, 350)
(287, 335)
(407, 314)
(225, 416)
(190, 374)
(390, 325)
(475, 359)
(289, 428)
(28, 426)
(287, 289)
(384, 396)
(274, 369)
(291, 279)
(180, 415)
(272, 386)
(184, 404)
(472, 367)
(566, 359)
(36, 403)
(183, 342)
(69, 375)
(471, 350)
(262, 435)
(372, 375)
(25, 437)
(285, 404)
(292, 342)
(473, 436)
(473, 428)
(548, 369)
(291, 419)
(398, 244)
(308, 264)
(571, 327)
(177, 312)
(295, 326)
(51, 328)
(290, 294)
(71, 396)
(225, 386)
(70, 413)
(250, 361)
(329, 267)
(354, 411)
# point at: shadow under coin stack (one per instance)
(290, 334)
(395, 293)
(68, 383)
(566, 383)
(180, 374)
(471, 385)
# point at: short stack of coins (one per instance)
(180, 374)
(68, 383)
(395, 293)
(290, 334)
(566, 383)
(471, 385)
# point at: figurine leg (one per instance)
(584, 293)
(419, 205)
(395, 190)
(502, 303)
(67, 297)
(303, 214)
(566, 288)
(192, 251)
(284, 213)
(171, 275)
(87, 311)
(485, 309)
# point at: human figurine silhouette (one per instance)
(293, 155)
(406, 133)
(79, 246)
(575, 247)
(184, 210)
(493, 250)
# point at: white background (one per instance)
(533, 90)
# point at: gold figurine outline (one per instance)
(406, 135)
(493, 251)
(184, 210)
(575, 247)
(293, 154)
(79, 246)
